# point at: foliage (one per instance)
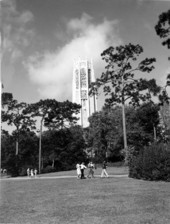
(163, 28)
(105, 133)
(136, 134)
(163, 96)
(105, 130)
(62, 114)
(119, 82)
(62, 149)
(165, 115)
(28, 156)
(150, 163)
(8, 152)
(13, 115)
(54, 114)
(48, 169)
(6, 97)
(148, 117)
(165, 121)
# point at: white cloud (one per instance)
(52, 71)
(15, 33)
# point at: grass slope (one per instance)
(118, 200)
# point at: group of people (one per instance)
(32, 172)
(80, 170)
(91, 166)
(3, 171)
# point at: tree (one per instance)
(27, 156)
(148, 117)
(165, 111)
(163, 28)
(63, 114)
(119, 82)
(104, 133)
(63, 148)
(165, 121)
(14, 115)
(136, 135)
(53, 114)
(6, 98)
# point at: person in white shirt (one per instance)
(28, 172)
(78, 170)
(82, 167)
(32, 173)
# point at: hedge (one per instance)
(150, 163)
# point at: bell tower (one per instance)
(83, 75)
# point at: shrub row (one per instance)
(150, 163)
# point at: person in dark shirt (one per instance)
(104, 172)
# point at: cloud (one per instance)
(15, 33)
(52, 71)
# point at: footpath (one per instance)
(7, 178)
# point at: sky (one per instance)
(41, 39)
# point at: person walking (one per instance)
(28, 172)
(91, 170)
(104, 172)
(82, 167)
(78, 170)
(32, 173)
(35, 172)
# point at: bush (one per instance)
(48, 169)
(150, 163)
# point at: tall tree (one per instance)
(148, 117)
(27, 157)
(53, 114)
(105, 132)
(63, 148)
(13, 115)
(119, 82)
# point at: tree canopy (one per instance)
(119, 81)
(13, 115)
(54, 114)
(163, 28)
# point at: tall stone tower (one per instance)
(83, 75)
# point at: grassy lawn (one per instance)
(111, 171)
(117, 200)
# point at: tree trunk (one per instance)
(16, 153)
(40, 146)
(124, 121)
(124, 126)
(53, 164)
(154, 131)
(42, 163)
